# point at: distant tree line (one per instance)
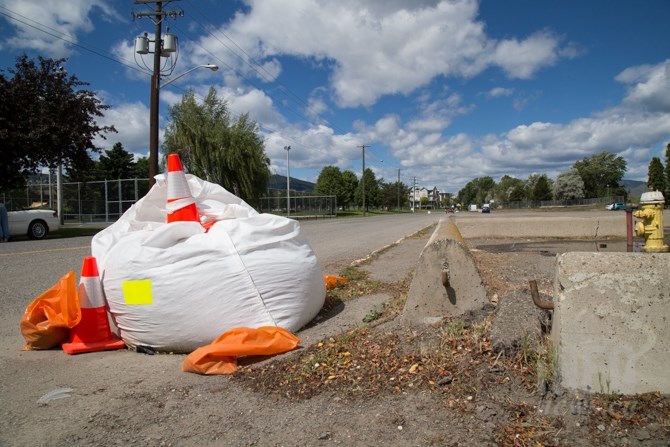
(591, 177)
(349, 189)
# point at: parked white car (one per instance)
(36, 224)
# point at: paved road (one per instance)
(338, 240)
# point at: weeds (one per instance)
(358, 284)
(373, 315)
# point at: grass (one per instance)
(65, 232)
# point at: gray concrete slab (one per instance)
(610, 324)
(541, 225)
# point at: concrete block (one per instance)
(542, 226)
(611, 319)
(428, 300)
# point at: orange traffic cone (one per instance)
(93, 332)
(180, 202)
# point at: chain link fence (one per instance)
(83, 202)
(301, 205)
(560, 203)
(107, 200)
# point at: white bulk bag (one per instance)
(174, 287)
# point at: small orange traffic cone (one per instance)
(93, 332)
(180, 202)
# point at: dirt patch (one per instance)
(486, 395)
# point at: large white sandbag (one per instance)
(174, 287)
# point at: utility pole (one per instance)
(363, 177)
(157, 17)
(414, 195)
(288, 184)
(398, 188)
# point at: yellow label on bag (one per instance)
(137, 292)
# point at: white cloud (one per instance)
(648, 86)
(498, 92)
(376, 49)
(49, 27)
(256, 103)
(131, 120)
(522, 59)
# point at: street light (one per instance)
(210, 66)
(288, 183)
(153, 122)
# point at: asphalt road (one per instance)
(341, 240)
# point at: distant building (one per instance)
(432, 198)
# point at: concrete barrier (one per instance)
(611, 319)
(445, 256)
(542, 226)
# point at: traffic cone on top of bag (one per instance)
(93, 332)
(180, 202)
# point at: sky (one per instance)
(438, 92)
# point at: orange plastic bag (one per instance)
(333, 281)
(48, 319)
(220, 356)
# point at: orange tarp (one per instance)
(220, 357)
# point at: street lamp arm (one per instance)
(210, 66)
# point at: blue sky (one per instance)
(440, 91)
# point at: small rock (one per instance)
(446, 380)
(324, 436)
(643, 435)
(601, 427)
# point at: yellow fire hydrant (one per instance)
(651, 227)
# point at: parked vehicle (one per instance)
(616, 206)
(34, 223)
(486, 208)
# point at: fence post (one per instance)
(78, 201)
(120, 198)
(106, 202)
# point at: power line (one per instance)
(62, 36)
(293, 97)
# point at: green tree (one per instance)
(656, 177)
(350, 182)
(216, 148)
(331, 183)
(518, 193)
(477, 191)
(116, 163)
(600, 172)
(372, 190)
(542, 189)
(394, 194)
(46, 118)
(504, 188)
(83, 170)
(140, 168)
(569, 185)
